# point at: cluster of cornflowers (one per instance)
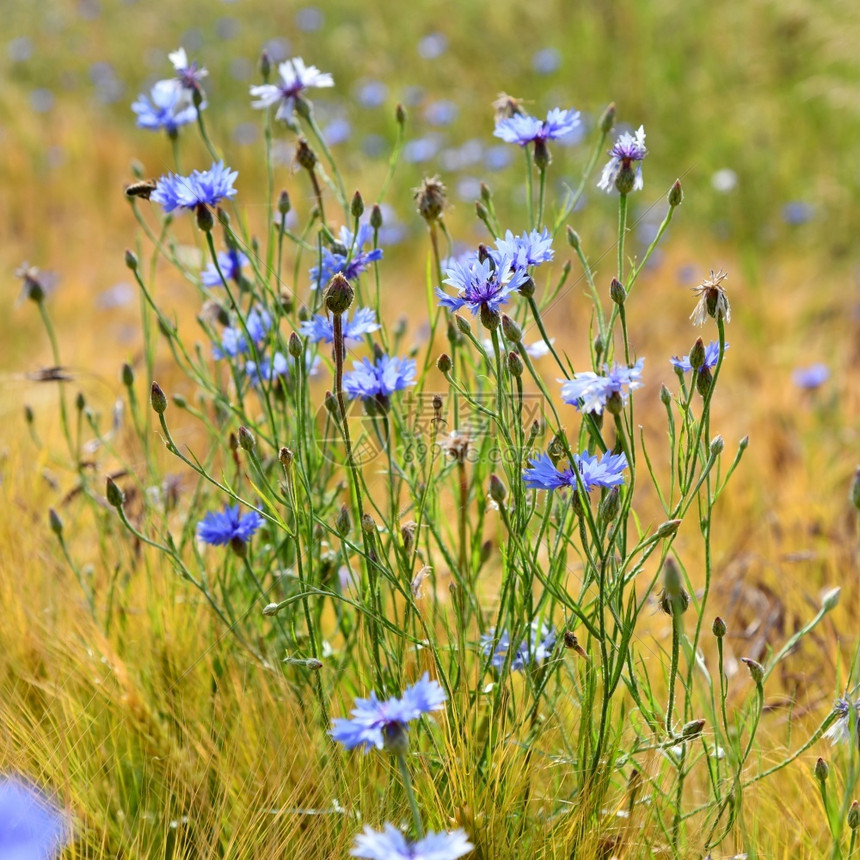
(175, 101)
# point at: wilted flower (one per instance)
(534, 649)
(523, 129)
(168, 107)
(188, 75)
(712, 300)
(618, 172)
(590, 392)
(391, 844)
(377, 724)
(295, 77)
(220, 528)
(380, 379)
(201, 188)
(31, 828)
(349, 259)
(231, 263)
(712, 356)
(841, 730)
(321, 328)
(543, 474)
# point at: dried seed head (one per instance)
(431, 197)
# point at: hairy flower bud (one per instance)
(284, 204)
(515, 365)
(285, 455)
(356, 208)
(131, 260)
(692, 729)
(610, 505)
(697, 354)
(490, 318)
(247, 442)
(265, 66)
(756, 670)
(573, 238)
(463, 324)
(674, 599)
(617, 292)
(368, 524)
(719, 627)
(339, 294)
(431, 197)
(157, 399)
(305, 156)
(205, 219)
(498, 491)
(376, 217)
(115, 496)
(511, 330)
(294, 345)
(821, 770)
(342, 523)
(607, 119)
(676, 194)
(444, 363)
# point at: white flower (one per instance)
(295, 77)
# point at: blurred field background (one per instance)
(754, 105)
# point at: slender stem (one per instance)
(410, 794)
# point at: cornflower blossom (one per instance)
(203, 188)
(535, 648)
(258, 323)
(628, 150)
(523, 129)
(542, 474)
(231, 262)
(31, 828)
(188, 75)
(529, 249)
(810, 377)
(168, 107)
(391, 844)
(376, 724)
(279, 366)
(379, 379)
(713, 301)
(840, 732)
(590, 392)
(220, 528)
(481, 285)
(295, 77)
(712, 356)
(321, 328)
(348, 258)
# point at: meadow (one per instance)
(592, 631)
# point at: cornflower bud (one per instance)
(854, 816)
(719, 627)
(573, 238)
(490, 318)
(821, 770)
(339, 294)
(444, 363)
(511, 330)
(368, 524)
(617, 292)
(692, 729)
(676, 194)
(342, 523)
(305, 156)
(127, 375)
(265, 66)
(284, 204)
(463, 324)
(131, 260)
(356, 209)
(55, 523)
(115, 496)
(157, 399)
(674, 600)
(376, 217)
(756, 670)
(697, 354)
(285, 455)
(607, 119)
(610, 505)
(294, 345)
(498, 491)
(247, 442)
(205, 219)
(400, 115)
(431, 197)
(515, 365)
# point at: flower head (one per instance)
(168, 107)
(840, 731)
(535, 648)
(375, 723)
(482, 284)
(590, 391)
(295, 77)
(713, 301)
(278, 367)
(712, 356)
(258, 323)
(543, 474)
(201, 188)
(523, 129)
(530, 249)
(810, 377)
(220, 528)
(379, 379)
(618, 172)
(391, 844)
(188, 75)
(31, 828)
(231, 263)
(348, 258)
(321, 328)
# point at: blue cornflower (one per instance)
(481, 284)
(590, 392)
(810, 377)
(391, 844)
(278, 367)
(618, 171)
(168, 107)
(232, 343)
(188, 75)
(530, 249)
(348, 258)
(258, 323)
(541, 474)
(31, 828)
(712, 356)
(523, 129)
(535, 648)
(231, 262)
(201, 188)
(220, 528)
(375, 723)
(295, 77)
(321, 328)
(380, 379)
(840, 731)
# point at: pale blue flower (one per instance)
(379, 379)
(348, 258)
(481, 284)
(810, 377)
(321, 327)
(589, 391)
(841, 730)
(295, 77)
(168, 107)
(374, 722)
(391, 844)
(231, 261)
(542, 474)
(712, 356)
(529, 249)
(31, 828)
(534, 649)
(522, 129)
(628, 150)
